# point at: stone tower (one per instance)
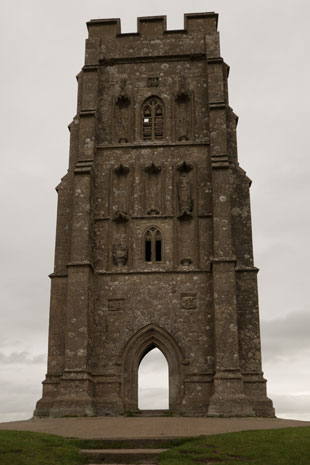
(153, 242)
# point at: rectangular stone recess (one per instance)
(153, 241)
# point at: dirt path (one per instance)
(160, 427)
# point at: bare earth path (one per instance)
(157, 427)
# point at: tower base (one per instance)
(71, 396)
(229, 399)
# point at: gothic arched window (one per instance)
(152, 245)
(153, 119)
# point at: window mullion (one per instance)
(153, 247)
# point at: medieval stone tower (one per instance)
(153, 244)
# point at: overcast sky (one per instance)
(266, 44)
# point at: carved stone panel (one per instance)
(115, 305)
(153, 81)
(120, 253)
(188, 301)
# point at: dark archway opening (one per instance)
(153, 380)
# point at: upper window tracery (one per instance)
(153, 119)
(153, 245)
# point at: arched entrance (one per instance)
(138, 346)
(153, 381)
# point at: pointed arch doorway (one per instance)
(153, 381)
(140, 344)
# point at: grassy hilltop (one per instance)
(289, 446)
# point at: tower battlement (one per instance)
(148, 26)
(106, 43)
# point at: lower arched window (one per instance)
(153, 245)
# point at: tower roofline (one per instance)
(205, 22)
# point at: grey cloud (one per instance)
(287, 337)
(24, 358)
(17, 399)
(292, 404)
(16, 405)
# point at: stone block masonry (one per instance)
(153, 240)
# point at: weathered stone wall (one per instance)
(130, 193)
(189, 117)
(181, 304)
(154, 242)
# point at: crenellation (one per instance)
(151, 26)
(106, 43)
(205, 23)
(104, 28)
(148, 26)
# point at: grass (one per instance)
(290, 446)
(24, 448)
